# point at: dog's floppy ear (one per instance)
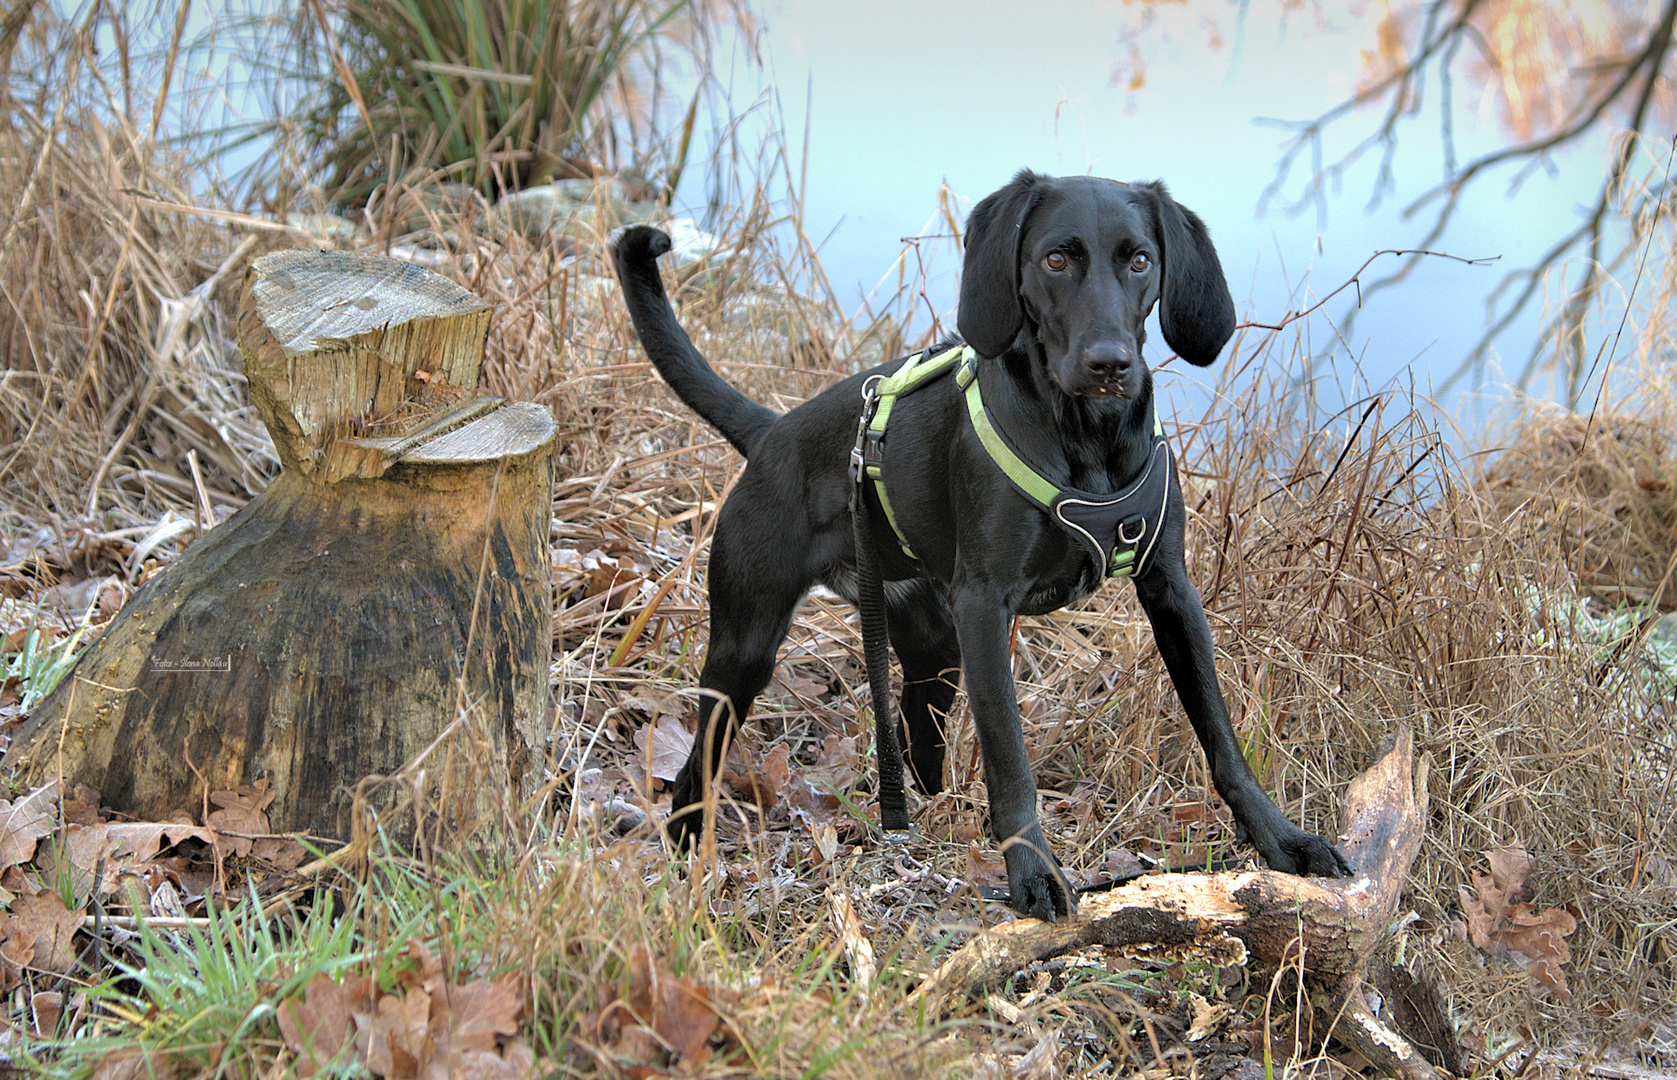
(1196, 311)
(991, 314)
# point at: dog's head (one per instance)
(1076, 263)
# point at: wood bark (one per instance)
(1329, 927)
(383, 605)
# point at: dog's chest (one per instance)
(1074, 577)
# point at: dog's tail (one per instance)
(741, 421)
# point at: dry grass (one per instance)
(1358, 575)
(118, 369)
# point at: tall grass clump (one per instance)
(500, 95)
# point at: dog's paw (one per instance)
(637, 243)
(685, 826)
(1322, 859)
(1309, 856)
(1036, 888)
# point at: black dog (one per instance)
(1057, 282)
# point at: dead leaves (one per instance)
(53, 845)
(1494, 921)
(241, 819)
(72, 838)
(664, 745)
(318, 1026)
(779, 786)
(428, 1028)
(609, 579)
(37, 932)
(659, 1021)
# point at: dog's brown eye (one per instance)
(1055, 260)
(1139, 262)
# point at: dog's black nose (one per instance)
(1108, 362)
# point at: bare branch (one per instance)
(1356, 279)
(1636, 76)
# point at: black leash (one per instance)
(870, 599)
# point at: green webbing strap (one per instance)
(916, 372)
(1024, 477)
(1093, 519)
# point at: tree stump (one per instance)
(383, 604)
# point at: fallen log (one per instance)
(1330, 927)
(385, 598)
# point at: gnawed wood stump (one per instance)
(1261, 916)
(383, 605)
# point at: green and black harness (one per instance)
(1120, 532)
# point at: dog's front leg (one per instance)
(1174, 608)
(1034, 880)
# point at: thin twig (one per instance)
(1356, 279)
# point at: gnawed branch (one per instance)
(1254, 916)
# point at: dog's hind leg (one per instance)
(923, 637)
(752, 601)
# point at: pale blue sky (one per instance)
(905, 97)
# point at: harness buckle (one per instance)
(866, 444)
(873, 450)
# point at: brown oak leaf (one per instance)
(134, 846)
(427, 970)
(280, 852)
(52, 925)
(517, 1062)
(663, 746)
(475, 1016)
(826, 841)
(764, 783)
(317, 1026)
(1540, 937)
(394, 1038)
(25, 822)
(77, 854)
(680, 1010)
(17, 951)
(837, 764)
(659, 1018)
(136, 1063)
(1486, 907)
(242, 812)
(1494, 921)
(46, 1008)
(984, 868)
(80, 806)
